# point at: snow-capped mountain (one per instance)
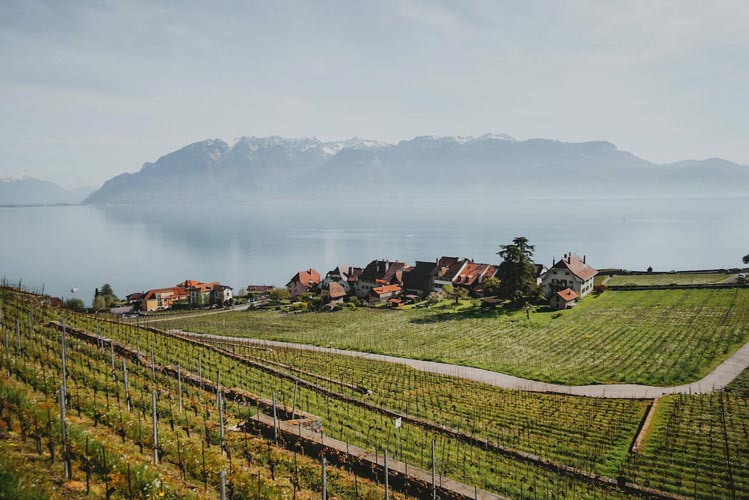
(489, 165)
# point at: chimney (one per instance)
(583, 259)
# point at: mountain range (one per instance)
(492, 165)
(30, 191)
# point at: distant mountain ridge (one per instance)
(493, 165)
(30, 191)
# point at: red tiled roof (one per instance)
(472, 271)
(189, 283)
(567, 294)
(576, 265)
(307, 278)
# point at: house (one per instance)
(134, 298)
(201, 293)
(164, 298)
(447, 269)
(259, 292)
(383, 293)
(540, 271)
(346, 275)
(379, 272)
(462, 272)
(570, 272)
(303, 282)
(222, 295)
(473, 274)
(419, 279)
(563, 299)
(332, 293)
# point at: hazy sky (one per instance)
(91, 89)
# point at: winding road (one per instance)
(723, 374)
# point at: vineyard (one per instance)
(699, 445)
(109, 443)
(512, 443)
(667, 279)
(658, 337)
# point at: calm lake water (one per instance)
(137, 248)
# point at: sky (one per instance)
(92, 89)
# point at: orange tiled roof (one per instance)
(307, 278)
(567, 294)
(386, 289)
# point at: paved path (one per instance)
(168, 317)
(715, 380)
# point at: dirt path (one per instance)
(724, 374)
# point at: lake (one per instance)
(138, 248)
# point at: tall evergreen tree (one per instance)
(517, 272)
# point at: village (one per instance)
(381, 283)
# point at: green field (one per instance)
(667, 279)
(658, 337)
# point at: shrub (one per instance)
(298, 306)
(599, 289)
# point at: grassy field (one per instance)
(668, 279)
(658, 337)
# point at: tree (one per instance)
(746, 259)
(491, 286)
(279, 295)
(455, 292)
(107, 295)
(517, 272)
(99, 303)
(75, 305)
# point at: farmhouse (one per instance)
(303, 282)
(570, 272)
(563, 299)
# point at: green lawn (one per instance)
(659, 337)
(667, 279)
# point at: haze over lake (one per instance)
(141, 247)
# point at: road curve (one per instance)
(723, 374)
